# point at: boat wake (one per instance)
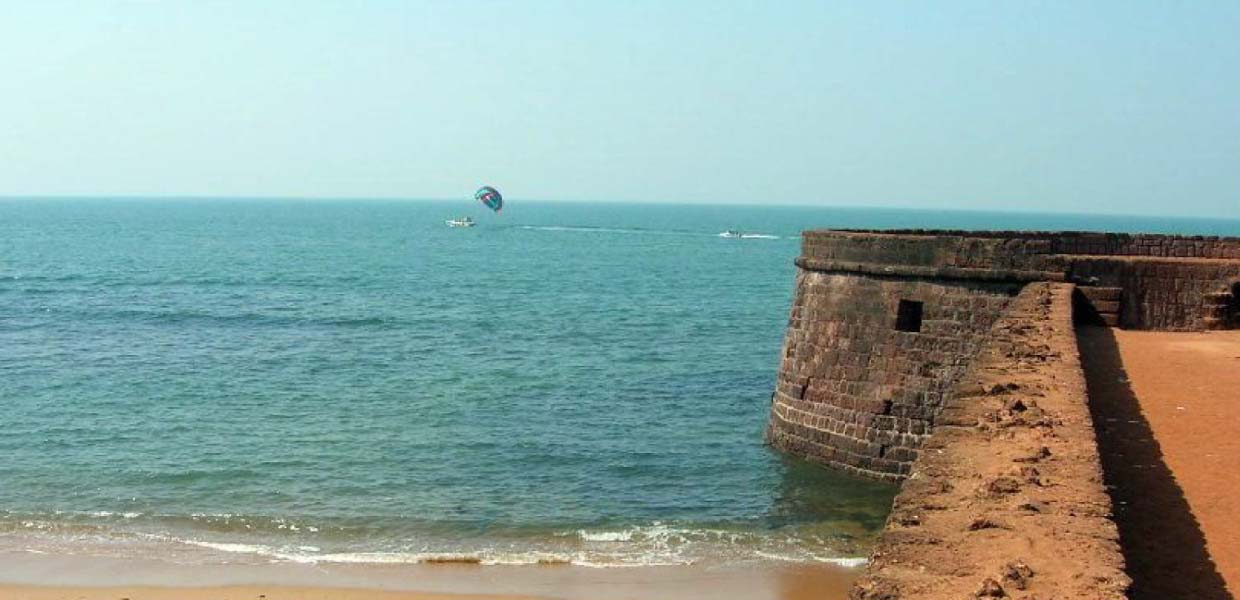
(640, 231)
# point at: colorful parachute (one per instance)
(490, 197)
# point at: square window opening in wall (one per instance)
(908, 316)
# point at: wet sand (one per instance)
(221, 593)
(1165, 407)
(27, 576)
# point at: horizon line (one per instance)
(776, 204)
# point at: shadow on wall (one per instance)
(1235, 305)
(1163, 545)
(1083, 311)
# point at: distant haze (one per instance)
(1063, 106)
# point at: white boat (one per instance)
(461, 222)
(731, 233)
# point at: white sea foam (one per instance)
(851, 563)
(606, 536)
(108, 513)
(843, 561)
(313, 555)
(378, 558)
(646, 562)
(656, 544)
(227, 547)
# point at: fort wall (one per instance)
(858, 394)
(884, 323)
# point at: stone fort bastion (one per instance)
(884, 323)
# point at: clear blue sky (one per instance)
(1066, 106)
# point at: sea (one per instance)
(352, 381)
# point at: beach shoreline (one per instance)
(30, 576)
(24, 592)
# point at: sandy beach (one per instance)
(222, 593)
(25, 576)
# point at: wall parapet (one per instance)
(1011, 498)
(1067, 242)
(1166, 281)
(927, 272)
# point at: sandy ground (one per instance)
(1166, 411)
(222, 593)
(25, 576)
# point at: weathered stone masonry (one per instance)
(1008, 501)
(857, 393)
(884, 323)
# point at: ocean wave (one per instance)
(191, 476)
(283, 280)
(229, 547)
(851, 562)
(660, 533)
(62, 278)
(606, 536)
(108, 513)
(183, 317)
(213, 536)
(227, 538)
(484, 557)
(481, 558)
(490, 557)
(118, 522)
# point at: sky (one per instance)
(1116, 107)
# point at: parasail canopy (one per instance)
(490, 197)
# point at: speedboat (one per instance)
(461, 222)
(731, 233)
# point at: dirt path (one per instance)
(1165, 409)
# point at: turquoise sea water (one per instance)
(354, 381)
